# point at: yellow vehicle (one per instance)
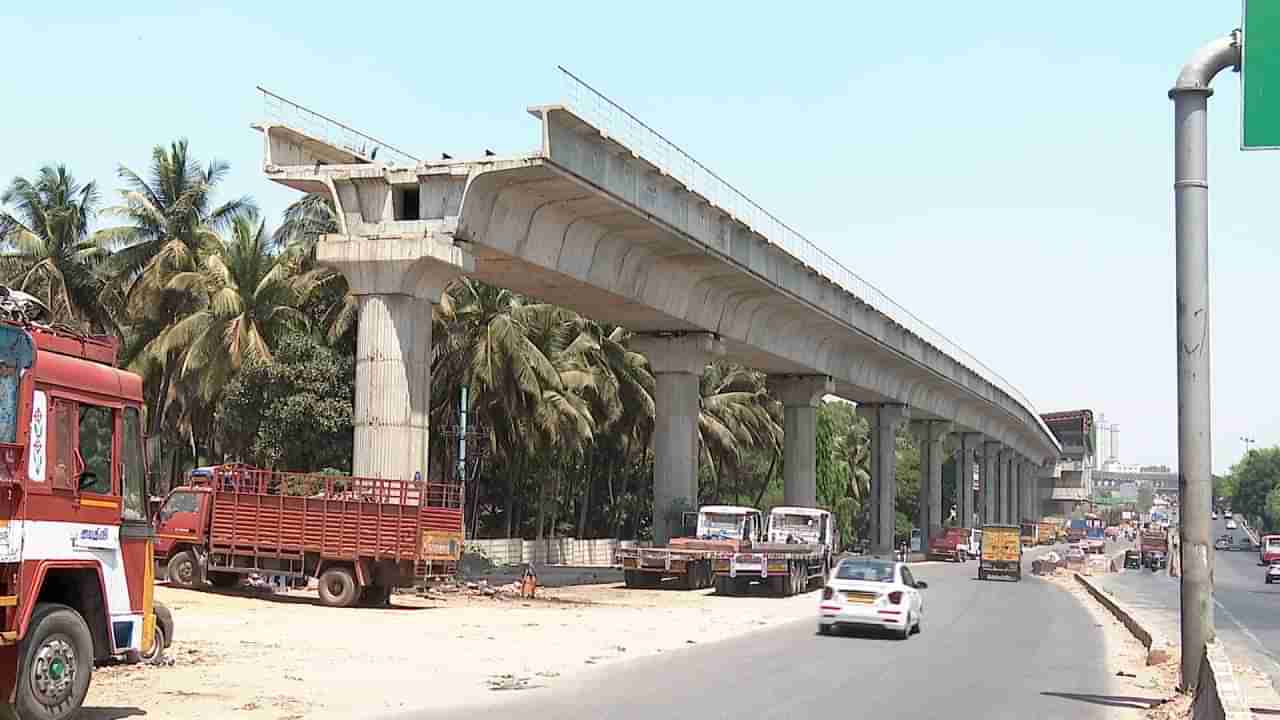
(1001, 552)
(1048, 533)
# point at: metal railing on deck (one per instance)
(625, 128)
(286, 112)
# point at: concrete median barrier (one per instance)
(1218, 694)
(1158, 647)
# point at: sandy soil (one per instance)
(1148, 691)
(288, 657)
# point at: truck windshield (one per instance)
(721, 525)
(15, 358)
(1273, 543)
(799, 527)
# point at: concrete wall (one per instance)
(562, 551)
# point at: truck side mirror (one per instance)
(88, 479)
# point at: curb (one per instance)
(1218, 697)
(1157, 646)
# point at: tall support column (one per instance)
(800, 397)
(396, 281)
(990, 480)
(930, 437)
(970, 444)
(678, 362)
(1006, 486)
(884, 419)
(1190, 96)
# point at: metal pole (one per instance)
(1190, 96)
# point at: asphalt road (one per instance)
(994, 649)
(1246, 609)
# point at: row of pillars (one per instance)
(396, 282)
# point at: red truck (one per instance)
(360, 537)
(75, 536)
(952, 544)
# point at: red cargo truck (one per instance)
(360, 537)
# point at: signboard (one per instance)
(439, 546)
(1260, 76)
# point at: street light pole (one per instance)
(1190, 95)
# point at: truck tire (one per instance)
(780, 585)
(724, 585)
(338, 587)
(183, 570)
(982, 574)
(156, 656)
(55, 664)
(224, 580)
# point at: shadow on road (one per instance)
(1111, 700)
(110, 713)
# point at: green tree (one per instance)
(1255, 476)
(48, 251)
(248, 297)
(294, 413)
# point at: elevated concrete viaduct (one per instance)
(615, 232)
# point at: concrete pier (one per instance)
(678, 362)
(885, 420)
(800, 397)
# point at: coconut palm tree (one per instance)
(48, 252)
(737, 415)
(249, 296)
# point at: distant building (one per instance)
(1073, 475)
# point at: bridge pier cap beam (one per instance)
(800, 396)
(677, 361)
(396, 281)
(884, 419)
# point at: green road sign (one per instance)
(1260, 76)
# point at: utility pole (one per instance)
(1190, 95)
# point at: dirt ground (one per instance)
(1151, 691)
(287, 657)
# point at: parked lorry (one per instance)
(953, 544)
(1076, 531)
(360, 537)
(1153, 547)
(1268, 549)
(1095, 535)
(795, 551)
(75, 540)
(1001, 552)
(1030, 534)
(1048, 533)
(719, 531)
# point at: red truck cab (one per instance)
(1268, 549)
(75, 541)
(951, 544)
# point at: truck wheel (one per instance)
(338, 587)
(724, 585)
(224, 580)
(156, 656)
(691, 577)
(780, 585)
(55, 664)
(982, 574)
(182, 570)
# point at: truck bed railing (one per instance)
(248, 480)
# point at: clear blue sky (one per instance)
(1001, 168)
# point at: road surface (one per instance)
(994, 649)
(1246, 609)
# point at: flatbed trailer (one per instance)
(647, 567)
(787, 569)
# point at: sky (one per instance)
(1002, 169)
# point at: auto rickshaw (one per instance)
(1132, 560)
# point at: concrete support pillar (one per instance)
(1018, 499)
(1005, 512)
(884, 419)
(930, 437)
(396, 281)
(990, 480)
(800, 397)
(678, 363)
(969, 446)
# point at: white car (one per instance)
(1231, 524)
(1273, 571)
(1214, 515)
(871, 593)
